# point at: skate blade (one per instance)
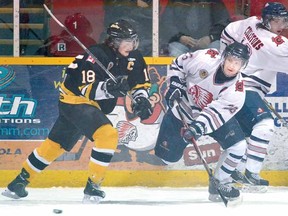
(10, 194)
(232, 202)
(254, 189)
(215, 198)
(91, 199)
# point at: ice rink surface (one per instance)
(143, 201)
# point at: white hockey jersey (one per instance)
(213, 102)
(269, 53)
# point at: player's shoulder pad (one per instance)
(101, 52)
(136, 54)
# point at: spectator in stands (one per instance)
(189, 25)
(63, 44)
(138, 13)
(5, 3)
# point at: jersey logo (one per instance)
(131, 59)
(260, 110)
(200, 96)
(212, 53)
(131, 62)
(239, 86)
(91, 59)
(232, 109)
(278, 40)
(203, 73)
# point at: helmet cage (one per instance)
(239, 51)
(269, 18)
(244, 62)
(115, 42)
(272, 11)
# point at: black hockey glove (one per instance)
(176, 91)
(118, 89)
(196, 130)
(142, 107)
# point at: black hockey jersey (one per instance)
(84, 77)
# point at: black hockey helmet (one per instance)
(273, 10)
(122, 30)
(238, 50)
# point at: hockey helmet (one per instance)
(122, 30)
(237, 50)
(273, 10)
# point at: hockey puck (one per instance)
(57, 211)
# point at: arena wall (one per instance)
(28, 109)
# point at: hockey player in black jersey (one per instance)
(87, 94)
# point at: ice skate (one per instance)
(92, 192)
(227, 190)
(255, 184)
(16, 189)
(250, 182)
(239, 179)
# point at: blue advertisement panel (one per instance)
(28, 101)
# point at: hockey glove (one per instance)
(176, 91)
(196, 130)
(118, 88)
(142, 107)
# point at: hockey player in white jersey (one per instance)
(211, 91)
(269, 55)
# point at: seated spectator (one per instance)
(138, 13)
(187, 26)
(6, 3)
(63, 45)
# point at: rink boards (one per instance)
(28, 109)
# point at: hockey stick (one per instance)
(281, 119)
(88, 52)
(193, 141)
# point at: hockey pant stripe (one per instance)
(258, 144)
(41, 157)
(257, 147)
(229, 160)
(106, 140)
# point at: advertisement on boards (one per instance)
(28, 110)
